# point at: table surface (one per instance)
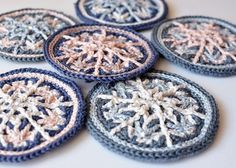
(83, 150)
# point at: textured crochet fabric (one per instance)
(39, 110)
(157, 117)
(99, 52)
(138, 14)
(23, 32)
(201, 44)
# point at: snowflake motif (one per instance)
(135, 105)
(202, 42)
(100, 52)
(123, 11)
(25, 34)
(29, 108)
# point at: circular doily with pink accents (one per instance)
(201, 44)
(100, 52)
(39, 110)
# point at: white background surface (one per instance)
(84, 151)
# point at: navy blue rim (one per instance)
(172, 155)
(144, 26)
(32, 59)
(79, 123)
(87, 77)
(204, 70)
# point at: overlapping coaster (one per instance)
(99, 52)
(201, 44)
(157, 117)
(136, 14)
(39, 110)
(23, 32)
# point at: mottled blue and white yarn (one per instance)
(23, 32)
(157, 117)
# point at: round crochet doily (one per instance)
(99, 52)
(157, 117)
(23, 32)
(136, 14)
(39, 110)
(201, 44)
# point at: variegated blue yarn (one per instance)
(158, 117)
(23, 32)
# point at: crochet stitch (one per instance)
(200, 44)
(39, 110)
(23, 32)
(138, 14)
(157, 117)
(99, 52)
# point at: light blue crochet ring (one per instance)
(157, 117)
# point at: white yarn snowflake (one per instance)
(202, 41)
(100, 51)
(27, 33)
(20, 103)
(123, 11)
(134, 105)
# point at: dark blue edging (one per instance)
(79, 123)
(88, 77)
(167, 156)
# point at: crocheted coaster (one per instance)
(201, 44)
(99, 52)
(23, 32)
(138, 14)
(158, 117)
(39, 110)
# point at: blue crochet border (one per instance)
(173, 155)
(139, 27)
(88, 77)
(204, 70)
(32, 59)
(79, 123)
